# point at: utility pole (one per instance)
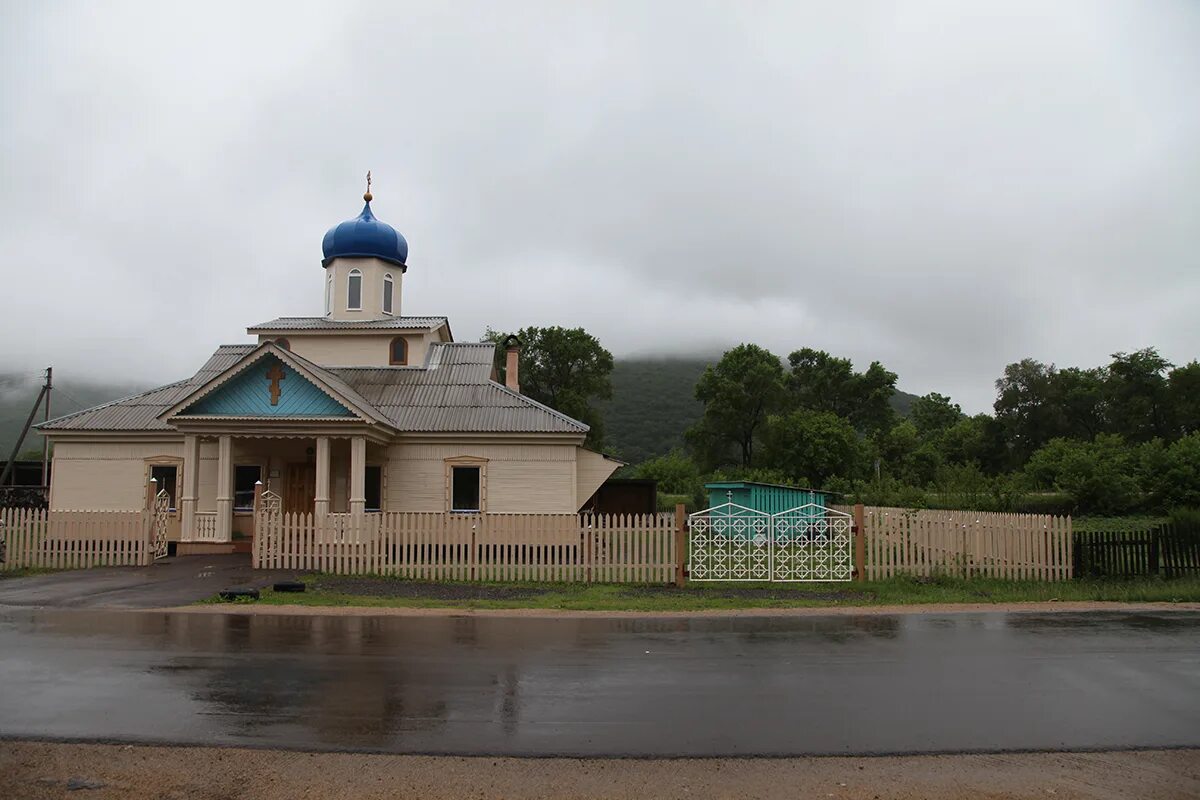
(8, 468)
(46, 439)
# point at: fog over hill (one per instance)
(19, 390)
(653, 403)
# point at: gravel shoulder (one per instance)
(41, 771)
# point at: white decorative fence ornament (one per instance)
(734, 543)
(162, 516)
(270, 504)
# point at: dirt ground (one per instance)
(41, 771)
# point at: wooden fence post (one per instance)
(860, 542)
(680, 543)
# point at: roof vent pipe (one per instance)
(512, 360)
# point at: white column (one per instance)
(321, 496)
(358, 474)
(225, 488)
(191, 487)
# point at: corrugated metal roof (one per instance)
(140, 412)
(321, 323)
(453, 393)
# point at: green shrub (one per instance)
(1185, 518)
(667, 502)
(1057, 503)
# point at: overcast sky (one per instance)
(943, 186)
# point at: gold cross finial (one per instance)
(367, 195)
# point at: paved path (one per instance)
(170, 582)
(606, 687)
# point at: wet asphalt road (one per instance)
(606, 686)
(170, 582)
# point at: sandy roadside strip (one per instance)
(253, 609)
(41, 770)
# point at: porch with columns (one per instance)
(207, 506)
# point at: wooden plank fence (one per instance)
(44, 539)
(930, 542)
(481, 547)
(1166, 550)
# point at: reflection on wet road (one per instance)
(616, 686)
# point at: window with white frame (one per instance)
(354, 291)
(387, 293)
(329, 295)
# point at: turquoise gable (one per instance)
(249, 395)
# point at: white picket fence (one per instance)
(37, 538)
(926, 542)
(484, 547)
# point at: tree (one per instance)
(564, 368)
(933, 414)
(1078, 395)
(675, 473)
(738, 393)
(821, 382)
(1023, 407)
(1137, 391)
(975, 440)
(1172, 472)
(1184, 397)
(812, 446)
(1101, 476)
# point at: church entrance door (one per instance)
(301, 488)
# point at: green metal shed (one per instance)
(769, 498)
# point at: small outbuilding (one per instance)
(624, 496)
(769, 498)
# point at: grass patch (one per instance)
(387, 592)
(1118, 524)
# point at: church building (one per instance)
(361, 410)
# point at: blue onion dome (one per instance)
(365, 237)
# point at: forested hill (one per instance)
(654, 402)
(17, 393)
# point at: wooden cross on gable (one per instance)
(275, 374)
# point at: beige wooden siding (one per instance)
(353, 348)
(520, 478)
(104, 476)
(591, 470)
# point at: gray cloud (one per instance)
(940, 187)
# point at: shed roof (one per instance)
(740, 484)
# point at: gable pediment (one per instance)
(266, 388)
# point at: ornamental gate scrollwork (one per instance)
(729, 543)
(160, 522)
(270, 504)
(734, 543)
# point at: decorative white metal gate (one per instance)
(161, 518)
(734, 543)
